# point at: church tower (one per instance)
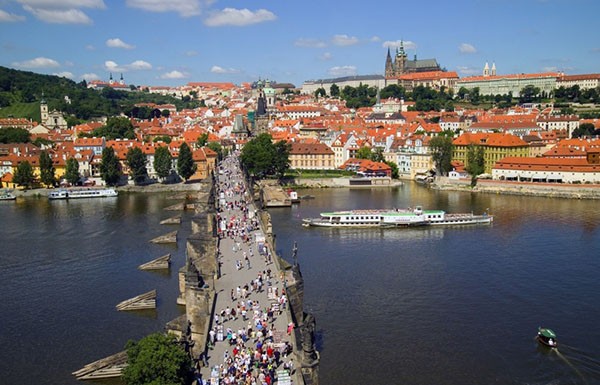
(43, 110)
(400, 60)
(486, 70)
(389, 65)
(493, 69)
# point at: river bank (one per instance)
(151, 188)
(488, 186)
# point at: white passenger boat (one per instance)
(82, 193)
(395, 218)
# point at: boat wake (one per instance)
(583, 363)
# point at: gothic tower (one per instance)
(493, 69)
(389, 65)
(486, 70)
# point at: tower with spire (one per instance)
(400, 64)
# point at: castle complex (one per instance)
(401, 65)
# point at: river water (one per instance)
(451, 305)
(394, 306)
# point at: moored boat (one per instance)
(395, 218)
(7, 195)
(547, 337)
(82, 193)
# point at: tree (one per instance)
(394, 167)
(157, 359)
(47, 170)
(163, 162)
(14, 135)
(364, 153)
(377, 155)
(584, 129)
(216, 147)
(110, 168)
(529, 94)
(320, 92)
(334, 90)
(475, 162)
(24, 175)
(260, 157)
(72, 171)
(441, 148)
(116, 128)
(136, 161)
(185, 162)
(202, 140)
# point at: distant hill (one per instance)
(21, 93)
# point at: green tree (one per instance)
(14, 135)
(116, 128)
(163, 162)
(260, 157)
(364, 153)
(334, 90)
(377, 155)
(165, 113)
(441, 148)
(157, 359)
(72, 171)
(584, 129)
(202, 140)
(216, 147)
(320, 92)
(475, 162)
(24, 175)
(529, 94)
(110, 168)
(185, 162)
(394, 167)
(136, 161)
(47, 170)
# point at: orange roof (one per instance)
(547, 164)
(489, 139)
(514, 76)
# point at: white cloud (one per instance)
(469, 71)
(174, 75)
(61, 11)
(65, 74)
(185, 8)
(326, 56)
(238, 17)
(342, 71)
(375, 39)
(118, 43)
(38, 62)
(309, 43)
(64, 4)
(396, 44)
(191, 53)
(221, 70)
(59, 16)
(90, 47)
(6, 17)
(137, 65)
(89, 77)
(466, 48)
(344, 40)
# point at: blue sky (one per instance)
(173, 42)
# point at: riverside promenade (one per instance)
(251, 335)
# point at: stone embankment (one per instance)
(552, 190)
(343, 182)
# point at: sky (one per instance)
(174, 42)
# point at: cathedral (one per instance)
(401, 66)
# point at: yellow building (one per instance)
(311, 156)
(496, 147)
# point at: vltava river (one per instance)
(396, 306)
(454, 305)
(64, 265)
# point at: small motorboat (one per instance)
(547, 337)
